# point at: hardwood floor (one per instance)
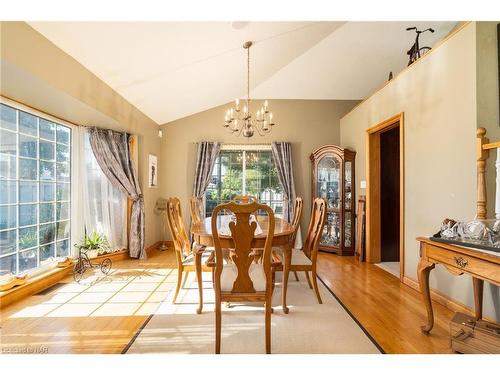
(390, 311)
(99, 315)
(102, 315)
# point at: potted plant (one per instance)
(95, 242)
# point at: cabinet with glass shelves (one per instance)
(333, 180)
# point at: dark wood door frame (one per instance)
(373, 238)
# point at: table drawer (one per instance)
(464, 263)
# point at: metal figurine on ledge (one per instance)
(241, 121)
(415, 52)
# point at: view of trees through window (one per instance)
(244, 172)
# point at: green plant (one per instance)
(94, 241)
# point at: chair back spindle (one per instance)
(195, 208)
(182, 245)
(318, 217)
(297, 215)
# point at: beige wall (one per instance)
(307, 124)
(438, 98)
(487, 96)
(38, 74)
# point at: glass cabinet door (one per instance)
(348, 185)
(328, 178)
(331, 230)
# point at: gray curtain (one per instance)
(111, 150)
(282, 155)
(205, 161)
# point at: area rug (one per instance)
(309, 327)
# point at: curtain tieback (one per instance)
(139, 197)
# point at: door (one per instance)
(389, 195)
(385, 192)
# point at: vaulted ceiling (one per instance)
(170, 70)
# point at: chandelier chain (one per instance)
(248, 78)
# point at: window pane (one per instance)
(62, 230)
(63, 191)
(46, 212)
(28, 237)
(47, 150)
(7, 117)
(62, 153)
(8, 241)
(28, 260)
(47, 251)
(28, 124)
(28, 146)
(62, 249)
(47, 192)
(8, 192)
(28, 191)
(62, 211)
(8, 142)
(62, 172)
(8, 217)
(63, 134)
(8, 166)
(8, 265)
(47, 170)
(27, 169)
(47, 130)
(28, 214)
(47, 233)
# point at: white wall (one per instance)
(438, 97)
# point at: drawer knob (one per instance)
(461, 262)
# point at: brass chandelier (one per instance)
(240, 121)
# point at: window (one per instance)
(245, 171)
(35, 190)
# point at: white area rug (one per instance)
(308, 328)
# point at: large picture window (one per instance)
(245, 171)
(35, 190)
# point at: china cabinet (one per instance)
(333, 180)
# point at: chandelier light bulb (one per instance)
(237, 101)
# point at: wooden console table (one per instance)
(458, 260)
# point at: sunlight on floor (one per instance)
(99, 312)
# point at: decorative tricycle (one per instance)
(97, 242)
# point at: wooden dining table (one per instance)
(283, 232)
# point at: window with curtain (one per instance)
(105, 206)
(244, 171)
(35, 191)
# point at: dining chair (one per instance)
(243, 279)
(297, 215)
(189, 258)
(305, 259)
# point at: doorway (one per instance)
(385, 195)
